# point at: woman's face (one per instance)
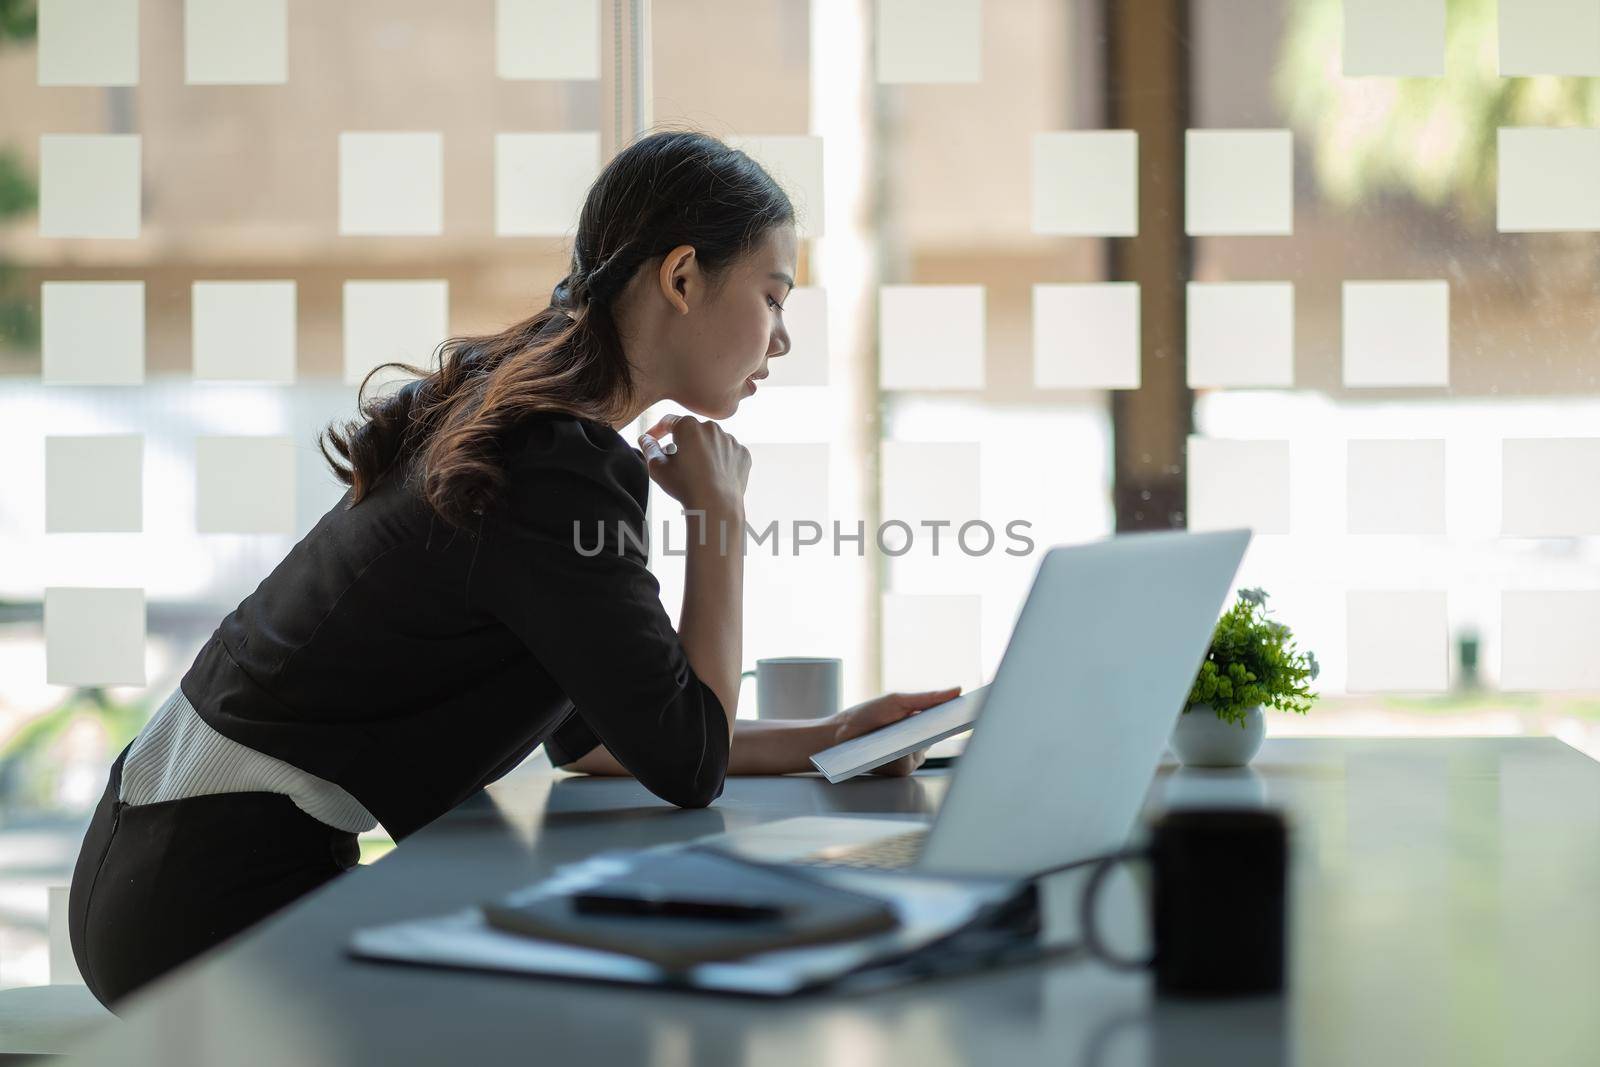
(717, 344)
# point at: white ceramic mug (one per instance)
(797, 687)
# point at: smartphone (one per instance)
(627, 902)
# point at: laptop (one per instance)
(1094, 676)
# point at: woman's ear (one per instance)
(678, 268)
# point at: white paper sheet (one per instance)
(236, 42)
(927, 909)
(931, 641)
(1543, 37)
(931, 337)
(1241, 334)
(393, 320)
(541, 180)
(1239, 182)
(931, 481)
(547, 39)
(88, 42)
(1236, 484)
(94, 483)
(92, 333)
(89, 185)
(94, 636)
(391, 183)
(1548, 179)
(1550, 487)
(1396, 333)
(1086, 183)
(1394, 38)
(795, 163)
(244, 331)
(805, 316)
(1547, 639)
(1396, 487)
(929, 41)
(1397, 641)
(1086, 336)
(788, 483)
(244, 484)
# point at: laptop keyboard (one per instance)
(885, 853)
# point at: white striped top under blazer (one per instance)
(177, 755)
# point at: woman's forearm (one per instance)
(760, 746)
(777, 746)
(711, 623)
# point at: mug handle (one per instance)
(1086, 908)
(742, 676)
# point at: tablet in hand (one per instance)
(861, 754)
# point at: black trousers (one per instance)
(158, 884)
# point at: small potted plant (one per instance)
(1252, 664)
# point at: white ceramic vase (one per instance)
(1202, 740)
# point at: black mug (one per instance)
(1218, 899)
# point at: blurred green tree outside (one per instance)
(19, 312)
(1432, 139)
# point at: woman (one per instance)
(482, 587)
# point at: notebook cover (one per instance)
(861, 754)
(815, 913)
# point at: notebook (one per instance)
(861, 754)
(803, 910)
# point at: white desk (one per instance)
(1445, 910)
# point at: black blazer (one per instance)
(413, 663)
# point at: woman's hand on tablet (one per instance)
(872, 714)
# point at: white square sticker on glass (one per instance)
(92, 333)
(795, 162)
(547, 40)
(1241, 334)
(88, 42)
(1396, 333)
(788, 485)
(93, 636)
(89, 185)
(1550, 487)
(391, 184)
(1239, 182)
(1395, 487)
(932, 481)
(244, 331)
(94, 484)
(244, 484)
(1549, 37)
(1086, 336)
(1235, 484)
(1548, 178)
(929, 41)
(384, 321)
(1547, 639)
(1086, 183)
(932, 641)
(236, 42)
(1397, 641)
(540, 181)
(930, 336)
(1394, 38)
(805, 316)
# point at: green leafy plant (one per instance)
(1253, 660)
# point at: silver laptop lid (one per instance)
(1097, 670)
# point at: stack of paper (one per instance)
(928, 909)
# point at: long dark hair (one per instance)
(669, 188)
